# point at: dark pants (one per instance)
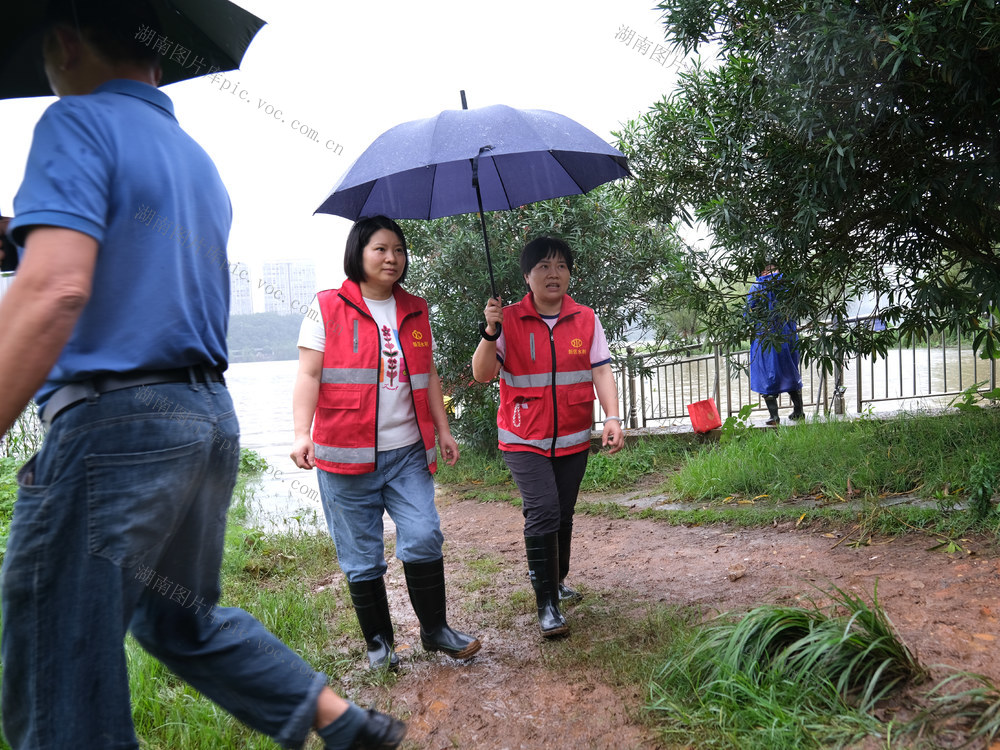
(548, 488)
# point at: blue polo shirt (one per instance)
(116, 165)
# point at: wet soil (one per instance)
(518, 692)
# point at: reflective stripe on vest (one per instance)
(542, 379)
(344, 455)
(339, 375)
(563, 441)
(420, 381)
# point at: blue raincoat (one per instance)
(773, 371)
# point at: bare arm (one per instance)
(305, 395)
(484, 361)
(435, 398)
(607, 393)
(40, 310)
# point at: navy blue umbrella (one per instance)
(464, 160)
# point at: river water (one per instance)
(286, 496)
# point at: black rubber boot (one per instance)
(797, 410)
(379, 732)
(543, 566)
(425, 582)
(372, 607)
(772, 409)
(565, 545)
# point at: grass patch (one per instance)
(484, 570)
(485, 468)
(849, 471)
(932, 456)
(644, 458)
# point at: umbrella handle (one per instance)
(482, 331)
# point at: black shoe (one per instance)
(425, 582)
(543, 566)
(773, 422)
(372, 608)
(379, 732)
(795, 416)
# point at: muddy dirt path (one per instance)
(945, 607)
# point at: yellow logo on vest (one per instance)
(577, 347)
(418, 339)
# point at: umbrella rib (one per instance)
(503, 186)
(430, 194)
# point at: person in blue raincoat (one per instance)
(774, 370)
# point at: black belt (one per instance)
(73, 393)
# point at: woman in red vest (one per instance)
(368, 389)
(551, 354)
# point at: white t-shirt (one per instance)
(397, 424)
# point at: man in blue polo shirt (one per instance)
(116, 322)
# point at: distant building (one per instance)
(240, 302)
(288, 285)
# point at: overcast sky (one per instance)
(349, 71)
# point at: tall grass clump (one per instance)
(783, 677)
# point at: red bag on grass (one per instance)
(704, 415)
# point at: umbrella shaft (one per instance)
(482, 224)
(486, 244)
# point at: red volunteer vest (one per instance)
(345, 428)
(546, 381)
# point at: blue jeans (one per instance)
(353, 505)
(119, 525)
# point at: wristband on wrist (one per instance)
(617, 419)
(488, 336)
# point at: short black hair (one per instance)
(111, 26)
(541, 248)
(359, 237)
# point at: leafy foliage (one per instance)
(251, 462)
(974, 397)
(851, 144)
(620, 269)
(736, 425)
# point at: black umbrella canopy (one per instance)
(194, 37)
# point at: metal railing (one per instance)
(655, 388)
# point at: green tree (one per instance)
(620, 269)
(853, 144)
